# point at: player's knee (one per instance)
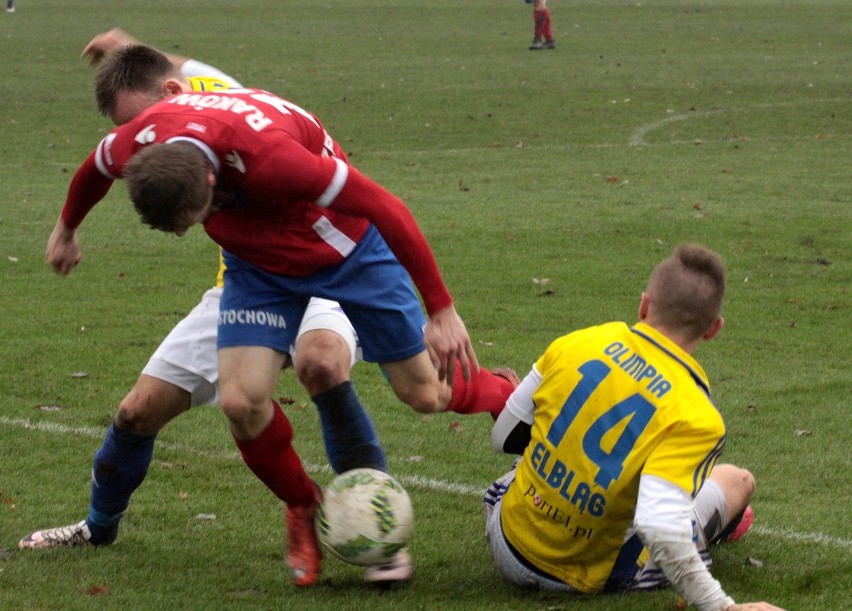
(133, 416)
(319, 372)
(322, 361)
(740, 478)
(737, 483)
(748, 482)
(239, 407)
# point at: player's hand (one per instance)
(761, 606)
(106, 42)
(447, 341)
(63, 249)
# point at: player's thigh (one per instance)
(187, 355)
(415, 381)
(248, 375)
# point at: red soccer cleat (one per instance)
(303, 549)
(745, 523)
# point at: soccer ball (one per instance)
(365, 517)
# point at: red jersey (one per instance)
(292, 203)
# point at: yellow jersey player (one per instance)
(617, 487)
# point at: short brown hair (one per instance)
(687, 289)
(168, 184)
(137, 68)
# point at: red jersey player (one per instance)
(295, 219)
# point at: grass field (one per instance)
(548, 183)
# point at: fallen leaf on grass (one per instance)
(752, 561)
(96, 590)
(79, 374)
(456, 426)
(803, 433)
(208, 517)
(50, 408)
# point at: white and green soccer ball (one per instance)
(365, 517)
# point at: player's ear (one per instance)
(172, 87)
(714, 329)
(644, 305)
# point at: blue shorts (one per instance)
(372, 287)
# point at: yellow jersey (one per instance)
(615, 402)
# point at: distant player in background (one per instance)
(543, 34)
(616, 487)
(183, 372)
(10, 6)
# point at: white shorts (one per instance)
(187, 356)
(709, 512)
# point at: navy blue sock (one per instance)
(350, 439)
(120, 465)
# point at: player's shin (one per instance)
(271, 457)
(350, 439)
(120, 466)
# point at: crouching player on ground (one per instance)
(616, 488)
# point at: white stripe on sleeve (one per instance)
(336, 184)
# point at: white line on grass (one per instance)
(96, 433)
(637, 138)
(790, 535)
(414, 481)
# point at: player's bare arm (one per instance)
(103, 43)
